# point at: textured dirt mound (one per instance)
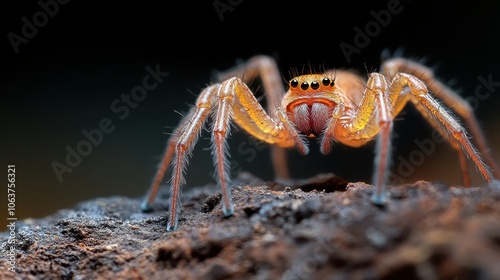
(322, 228)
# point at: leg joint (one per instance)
(180, 147)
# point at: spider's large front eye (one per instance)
(294, 83)
(304, 86)
(314, 85)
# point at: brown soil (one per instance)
(322, 228)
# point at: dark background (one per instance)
(64, 79)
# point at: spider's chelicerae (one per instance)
(335, 106)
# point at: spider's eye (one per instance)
(304, 86)
(314, 85)
(325, 81)
(294, 83)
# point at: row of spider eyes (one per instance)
(314, 85)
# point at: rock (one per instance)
(321, 228)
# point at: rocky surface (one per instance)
(322, 228)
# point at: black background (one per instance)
(64, 79)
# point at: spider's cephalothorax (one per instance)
(338, 106)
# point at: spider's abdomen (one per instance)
(311, 119)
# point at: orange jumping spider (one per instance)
(333, 106)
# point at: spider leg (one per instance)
(452, 100)
(402, 98)
(167, 158)
(220, 131)
(160, 172)
(439, 115)
(264, 67)
(375, 116)
(230, 100)
(236, 102)
(180, 144)
(462, 158)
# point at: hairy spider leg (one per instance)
(166, 161)
(264, 67)
(230, 100)
(180, 145)
(453, 101)
(436, 114)
(258, 66)
(374, 117)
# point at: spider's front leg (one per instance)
(230, 100)
(265, 68)
(235, 101)
(375, 116)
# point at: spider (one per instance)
(335, 106)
